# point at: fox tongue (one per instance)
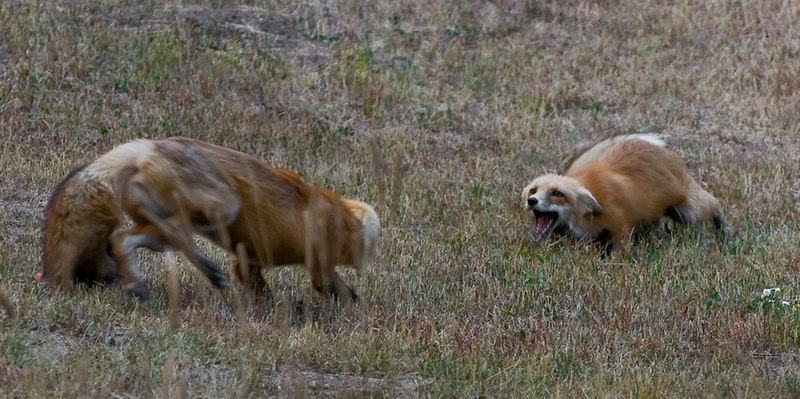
(542, 223)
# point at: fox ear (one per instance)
(586, 202)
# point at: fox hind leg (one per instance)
(124, 244)
(171, 231)
(167, 225)
(250, 276)
(700, 206)
(329, 284)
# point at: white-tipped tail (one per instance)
(370, 231)
(370, 227)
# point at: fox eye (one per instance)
(532, 191)
(557, 193)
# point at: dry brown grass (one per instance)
(438, 112)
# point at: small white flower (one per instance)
(770, 291)
(785, 303)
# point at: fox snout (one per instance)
(532, 201)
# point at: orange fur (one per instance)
(178, 186)
(74, 250)
(617, 185)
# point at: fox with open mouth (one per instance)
(615, 186)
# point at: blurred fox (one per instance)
(615, 186)
(178, 186)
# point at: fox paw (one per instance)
(219, 280)
(138, 289)
(215, 275)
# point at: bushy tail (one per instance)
(79, 219)
(370, 227)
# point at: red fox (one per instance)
(617, 185)
(178, 186)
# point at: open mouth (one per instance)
(545, 222)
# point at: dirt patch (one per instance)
(3, 61)
(778, 364)
(51, 345)
(18, 212)
(291, 382)
(272, 33)
(313, 384)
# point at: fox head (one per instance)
(558, 203)
(370, 229)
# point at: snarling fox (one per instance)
(617, 185)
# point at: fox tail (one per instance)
(79, 219)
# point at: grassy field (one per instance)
(439, 113)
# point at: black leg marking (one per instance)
(139, 290)
(334, 291)
(719, 224)
(721, 227)
(602, 240)
(214, 274)
(348, 291)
